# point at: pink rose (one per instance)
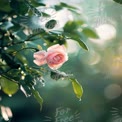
(40, 58)
(55, 56)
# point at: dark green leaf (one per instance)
(37, 96)
(51, 24)
(74, 11)
(78, 90)
(64, 5)
(36, 3)
(70, 26)
(58, 7)
(56, 75)
(80, 42)
(67, 6)
(5, 6)
(10, 61)
(19, 6)
(118, 1)
(73, 26)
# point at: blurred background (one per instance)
(99, 70)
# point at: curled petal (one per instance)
(54, 67)
(40, 58)
(40, 54)
(39, 62)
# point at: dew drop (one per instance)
(10, 95)
(80, 99)
(43, 84)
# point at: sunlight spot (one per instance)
(5, 48)
(72, 46)
(112, 91)
(116, 67)
(22, 77)
(106, 33)
(9, 19)
(10, 95)
(14, 16)
(94, 58)
(25, 64)
(1, 23)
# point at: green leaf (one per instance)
(5, 6)
(35, 3)
(67, 6)
(37, 96)
(9, 60)
(58, 7)
(118, 1)
(71, 30)
(80, 42)
(9, 87)
(19, 6)
(72, 26)
(90, 33)
(64, 5)
(51, 24)
(75, 12)
(78, 90)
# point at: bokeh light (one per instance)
(106, 33)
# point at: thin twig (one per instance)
(10, 79)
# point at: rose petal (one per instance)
(54, 67)
(55, 58)
(40, 54)
(39, 62)
(40, 58)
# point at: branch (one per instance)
(10, 79)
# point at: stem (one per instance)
(3, 65)
(27, 49)
(36, 11)
(28, 39)
(5, 72)
(15, 52)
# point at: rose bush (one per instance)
(55, 56)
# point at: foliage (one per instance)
(20, 37)
(118, 1)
